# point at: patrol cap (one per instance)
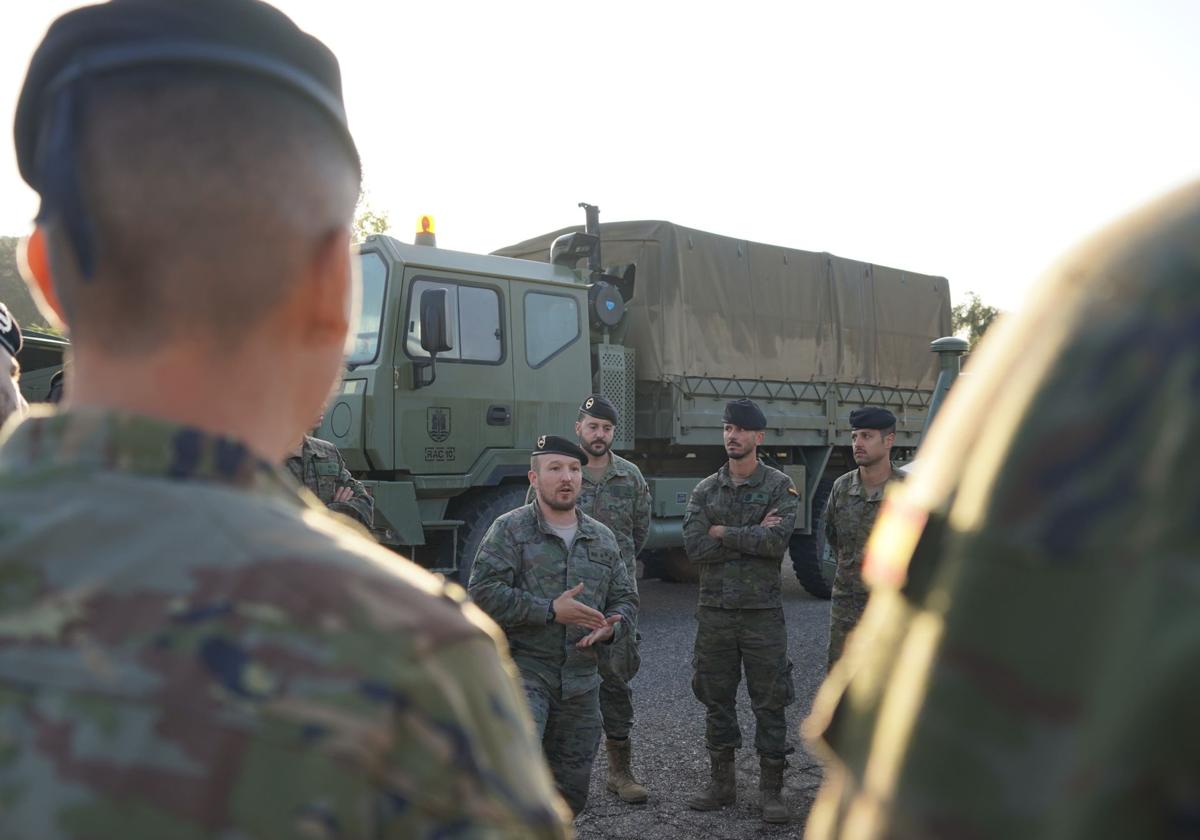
(746, 414)
(555, 445)
(872, 417)
(600, 408)
(239, 37)
(10, 331)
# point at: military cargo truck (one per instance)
(462, 360)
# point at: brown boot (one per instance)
(722, 789)
(774, 809)
(620, 774)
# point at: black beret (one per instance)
(599, 407)
(10, 332)
(746, 414)
(872, 418)
(554, 445)
(244, 37)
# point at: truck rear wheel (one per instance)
(674, 566)
(808, 551)
(478, 515)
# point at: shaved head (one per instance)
(207, 195)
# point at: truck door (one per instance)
(444, 427)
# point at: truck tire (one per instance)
(478, 514)
(674, 566)
(808, 550)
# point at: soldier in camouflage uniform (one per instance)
(554, 579)
(189, 647)
(736, 530)
(11, 401)
(615, 494)
(1027, 664)
(850, 514)
(318, 465)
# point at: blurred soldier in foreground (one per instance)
(554, 579)
(11, 401)
(615, 494)
(850, 515)
(737, 527)
(1026, 666)
(318, 465)
(189, 648)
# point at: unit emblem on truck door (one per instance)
(438, 424)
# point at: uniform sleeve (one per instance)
(829, 516)
(361, 505)
(700, 547)
(622, 598)
(466, 757)
(493, 582)
(760, 540)
(641, 517)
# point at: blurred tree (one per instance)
(367, 221)
(972, 318)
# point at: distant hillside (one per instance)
(12, 287)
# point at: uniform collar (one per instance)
(755, 478)
(616, 466)
(856, 483)
(586, 525)
(93, 439)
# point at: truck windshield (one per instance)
(370, 314)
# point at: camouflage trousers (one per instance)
(845, 609)
(569, 729)
(618, 664)
(725, 641)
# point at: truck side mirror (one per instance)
(433, 322)
(433, 334)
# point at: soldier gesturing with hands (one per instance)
(521, 578)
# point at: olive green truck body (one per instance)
(678, 323)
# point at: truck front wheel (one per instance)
(478, 513)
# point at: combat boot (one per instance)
(620, 774)
(770, 782)
(722, 789)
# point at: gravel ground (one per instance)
(668, 735)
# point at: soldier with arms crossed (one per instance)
(850, 514)
(737, 527)
(614, 493)
(318, 465)
(554, 579)
(191, 648)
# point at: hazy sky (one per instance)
(931, 136)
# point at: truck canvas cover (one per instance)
(710, 305)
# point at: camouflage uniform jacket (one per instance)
(620, 500)
(320, 468)
(741, 570)
(522, 566)
(849, 517)
(1032, 639)
(191, 648)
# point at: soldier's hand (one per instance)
(716, 531)
(569, 611)
(772, 519)
(343, 494)
(602, 635)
